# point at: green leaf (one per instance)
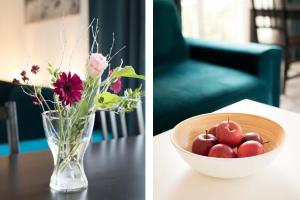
(127, 71)
(107, 100)
(50, 68)
(83, 108)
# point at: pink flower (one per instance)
(116, 87)
(69, 88)
(97, 64)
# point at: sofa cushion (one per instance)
(168, 41)
(192, 87)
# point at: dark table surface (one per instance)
(115, 170)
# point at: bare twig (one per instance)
(116, 53)
(121, 63)
(112, 46)
(80, 39)
(23, 89)
(95, 35)
(63, 41)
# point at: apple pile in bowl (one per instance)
(232, 148)
(226, 140)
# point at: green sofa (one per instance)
(192, 77)
(31, 132)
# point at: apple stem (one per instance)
(228, 119)
(206, 132)
(266, 142)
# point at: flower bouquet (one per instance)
(68, 127)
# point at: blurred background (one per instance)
(209, 54)
(27, 40)
(42, 31)
(39, 31)
(233, 21)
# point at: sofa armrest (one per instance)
(260, 60)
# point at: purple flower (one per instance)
(116, 87)
(23, 73)
(24, 77)
(35, 69)
(36, 100)
(16, 81)
(69, 88)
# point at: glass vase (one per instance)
(68, 139)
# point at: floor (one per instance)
(291, 100)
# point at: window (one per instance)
(216, 20)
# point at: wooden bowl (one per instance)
(185, 132)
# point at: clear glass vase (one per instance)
(68, 139)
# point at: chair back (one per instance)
(270, 16)
(115, 125)
(279, 19)
(29, 115)
(8, 113)
(278, 16)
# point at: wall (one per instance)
(40, 42)
(11, 44)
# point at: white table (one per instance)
(175, 180)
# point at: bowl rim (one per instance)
(177, 146)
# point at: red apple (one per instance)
(250, 148)
(229, 133)
(252, 136)
(202, 144)
(221, 151)
(213, 130)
